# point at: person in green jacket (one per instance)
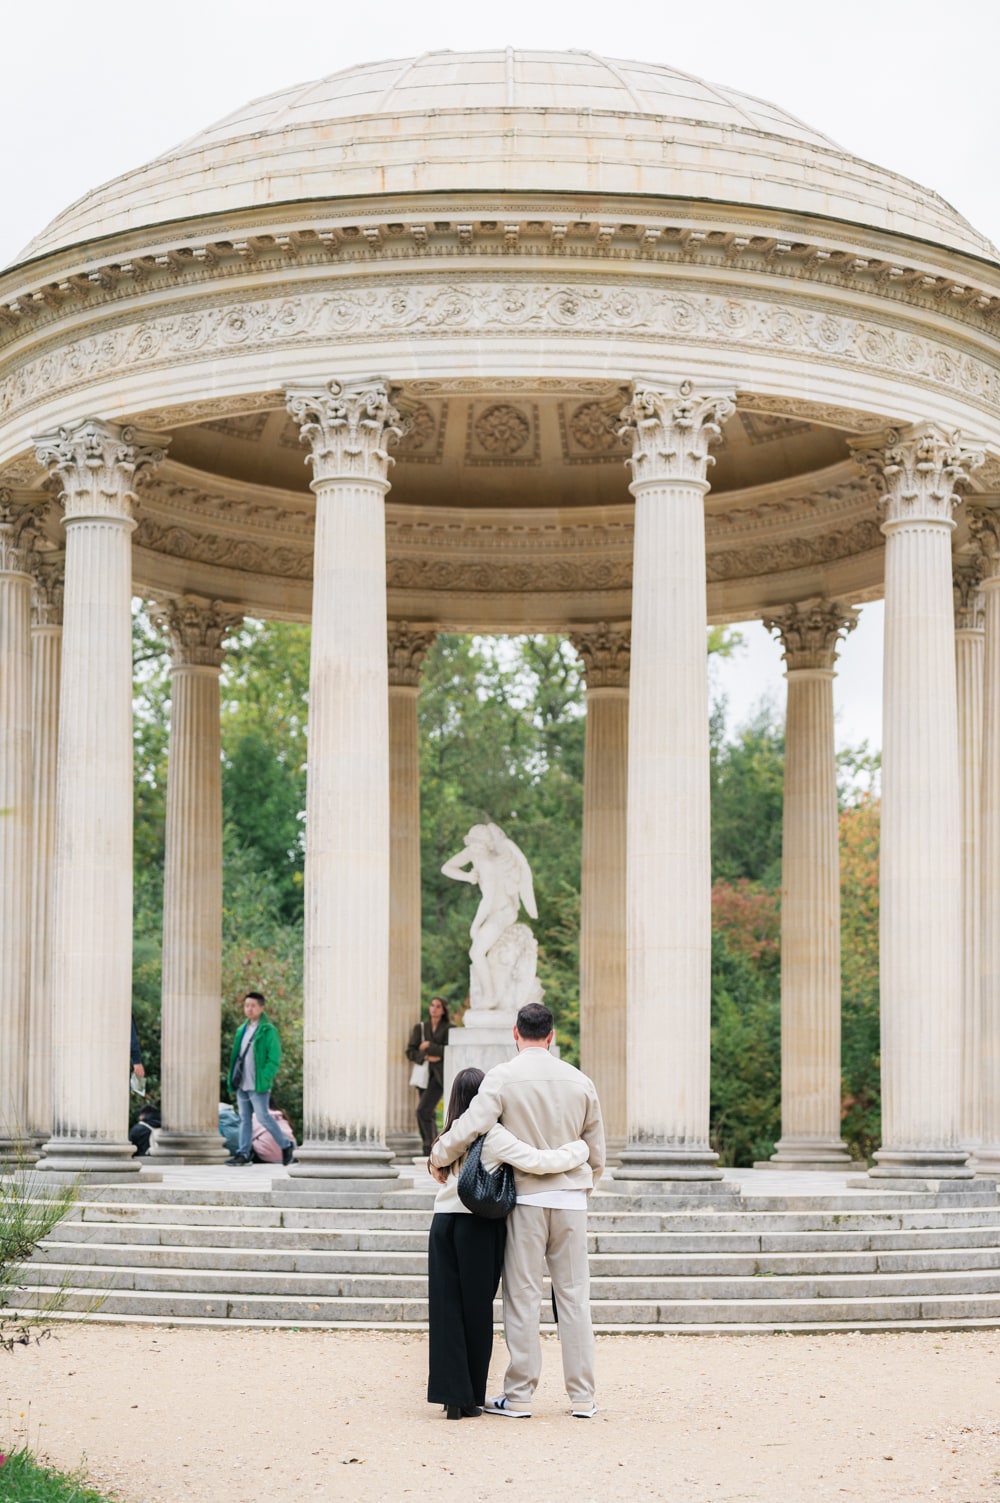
(254, 1064)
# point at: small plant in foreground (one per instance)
(23, 1480)
(29, 1210)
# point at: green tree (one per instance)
(747, 776)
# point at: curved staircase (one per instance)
(201, 1247)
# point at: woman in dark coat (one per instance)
(427, 1043)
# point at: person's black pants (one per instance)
(465, 1260)
(426, 1105)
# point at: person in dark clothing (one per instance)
(427, 1045)
(141, 1134)
(135, 1055)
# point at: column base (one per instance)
(188, 1147)
(404, 1146)
(809, 1155)
(89, 1158)
(985, 1161)
(342, 1161)
(18, 1153)
(641, 1163)
(929, 1166)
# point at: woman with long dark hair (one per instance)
(426, 1047)
(465, 1260)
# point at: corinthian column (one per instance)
(91, 974)
(192, 887)
(18, 528)
(46, 658)
(407, 649)
(810, 893)
(603, 1012)
(669, 851)
(970, 613)
(347, 799)
(920, 863)
(985, 526)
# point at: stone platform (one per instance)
(218, 1245)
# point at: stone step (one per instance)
(376, 1284)
(636, 1264)
(942, 1311)
(600, 1223)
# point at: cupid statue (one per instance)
(503, 952)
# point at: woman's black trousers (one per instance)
(465, 1260)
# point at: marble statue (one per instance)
(503, 953)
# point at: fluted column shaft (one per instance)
(669, 849)
(969, 638)
(986, 527)
(16, 533)
(603, 1006)
(91, 973)
(192, 887)
(407, 650)
(921, 869)
(347, 800)
(46, 661)
(810, 895)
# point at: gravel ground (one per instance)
(168, 1415)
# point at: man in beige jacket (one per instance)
(546, 1103)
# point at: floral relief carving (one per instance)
(919, 472)
(423, 441)
(347, 428)
(95, 465)
(407, 646)
(196, 631)
(47, 591)
(671, 433)
(984, 525)
(228, 553)
(606, 652)
(797, 553)
(502, 430)
(970, 602)
(20, 525)
(477, 308)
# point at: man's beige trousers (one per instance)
(536, 1236)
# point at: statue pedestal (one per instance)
(479, 1045)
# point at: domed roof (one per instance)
(509, 121)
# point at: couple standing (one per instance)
(541, 1115)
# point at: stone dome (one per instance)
(509, 121)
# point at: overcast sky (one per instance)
(88, 94)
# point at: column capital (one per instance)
(809, 632)
(347, 427)
(606, 652)
(918, 470)
(47, 590)
(984, 525)
(96, 464)
(671, 432)
(196, 630)
(407, 646)
(967, 587)
(20, 525)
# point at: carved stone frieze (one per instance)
(96, 464)
(222, 326)
(196, 631)
(407, 646)
(606, 652)
(769, 428)
(47, 591)
(794, 553)
(239, 554)
(347, 428)
(811, 631)
(984, 525)
(919, 471)
(824, 413)
(246, 426)
(20, 525)
(492, 576)
(671, 432)
(210, 409)
(970, 603)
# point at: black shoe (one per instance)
(237, 1160)
(472, 1413)
(452, 1411)
(287, 1154)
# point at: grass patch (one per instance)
(22, 1480)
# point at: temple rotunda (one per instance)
(501, 341)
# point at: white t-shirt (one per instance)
(556, 1200)
(249, 1081)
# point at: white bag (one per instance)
(420, 1076)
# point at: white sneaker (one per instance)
(584, 1411)
(501, 1405)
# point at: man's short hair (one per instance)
(255, 997)
(534, 1021)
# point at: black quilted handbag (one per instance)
(486, 1192)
